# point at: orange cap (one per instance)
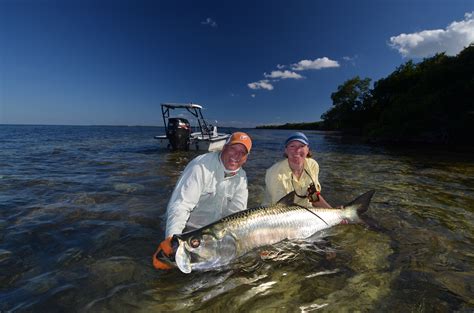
(242, 138)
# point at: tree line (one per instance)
(430, 101)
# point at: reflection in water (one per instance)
(82, 209)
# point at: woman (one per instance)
(298, 173)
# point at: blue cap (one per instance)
(298, 137)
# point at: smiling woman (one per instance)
(288, 175)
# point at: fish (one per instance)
(219, 243)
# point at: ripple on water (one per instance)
(80, 217)
(5, 255)
(128, 187)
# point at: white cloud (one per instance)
(252, 95)
(209, 21)
(302, 65)
(262, 84)
(316, 64)
(451, 40)
(283, 75)
(350, 59)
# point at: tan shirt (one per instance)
(278, 182)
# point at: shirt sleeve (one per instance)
(274, 189)
(240, 198)
(184, 199)
(314, 170)
(267, 198)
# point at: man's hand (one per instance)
(164, 255)
(167, 246)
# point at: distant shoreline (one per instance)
(378, 141)
(295, 126)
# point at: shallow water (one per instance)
(82, 208)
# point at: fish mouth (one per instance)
(188, 254)
(187, 260)
(183, 258)
(209, 253)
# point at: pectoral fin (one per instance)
(183, 260)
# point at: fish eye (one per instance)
(195, 242)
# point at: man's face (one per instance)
(234, 156)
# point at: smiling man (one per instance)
(213, 185)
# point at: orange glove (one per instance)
(165, 251)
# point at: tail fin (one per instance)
(362, 202)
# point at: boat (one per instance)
(179, 132)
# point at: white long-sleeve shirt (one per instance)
(203, 195)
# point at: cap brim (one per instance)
(300, 140)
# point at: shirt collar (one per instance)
(227, 173)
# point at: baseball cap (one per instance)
(242, 138)
(298, 137)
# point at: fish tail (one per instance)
(361, 203)
(359, 206)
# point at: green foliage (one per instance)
(349, 103)
(432, 101)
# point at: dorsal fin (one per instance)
(288, 200)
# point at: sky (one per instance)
(248, 63)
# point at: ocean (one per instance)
(82, 210)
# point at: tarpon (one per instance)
(217, 244)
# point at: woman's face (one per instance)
(297, 153)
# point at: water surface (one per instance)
(82, 208)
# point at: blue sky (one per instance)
(248, 63)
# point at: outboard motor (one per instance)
(179, 133)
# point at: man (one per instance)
(213, 185)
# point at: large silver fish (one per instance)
(217, 244)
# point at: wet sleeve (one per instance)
(266, 198)
(184, 199)
(240, 198)
(271, 188)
